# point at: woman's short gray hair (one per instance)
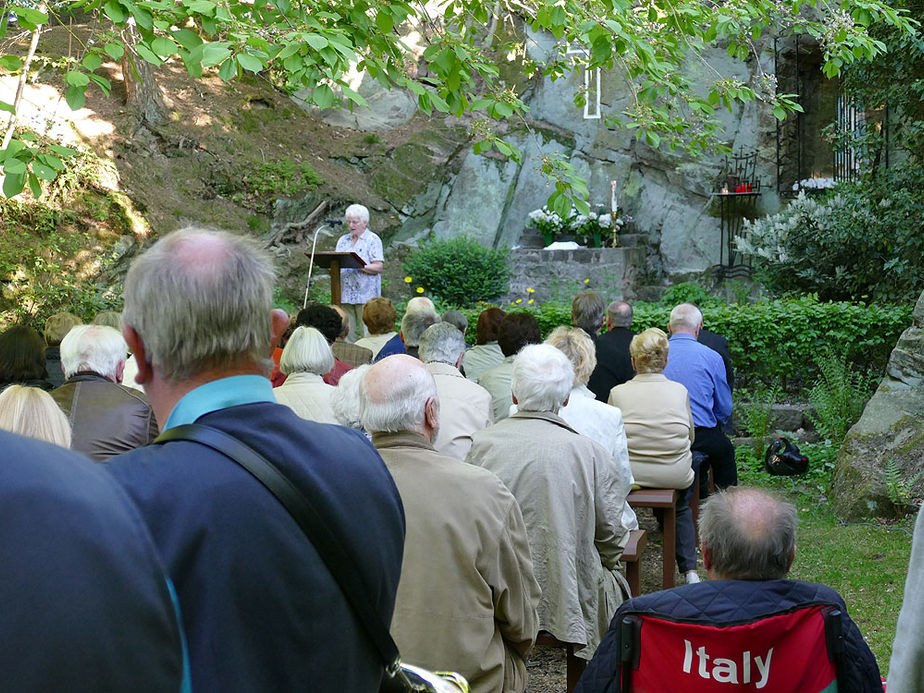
(749, 534)
(404, 408)
(357, 212)
(344, 399)
(577, 345)
(442, 342)
(307, 351)
(196, 313)
(94, 349)
(542, 378)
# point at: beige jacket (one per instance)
(499, 382)
(659, 429)
(570, 494)
(465, 407)
(308, 396)
(467, 596)
(481, 358)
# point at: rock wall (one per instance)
(891, 429)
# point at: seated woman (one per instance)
(600, 422)
(305, 360)
(659, 430)
(22, 358)
(31, 412)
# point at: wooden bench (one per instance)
(632, 555)
(666, 500)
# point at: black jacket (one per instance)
(614, 367)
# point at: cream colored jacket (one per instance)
(467, 596)
(465, 407)
(308, 396)
(659, 429)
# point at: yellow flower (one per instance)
(519, 300)
(530, 301)
(420, 289)
(587, 281)
(408, 280)
(532, 291)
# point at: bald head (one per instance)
(618, 314)
(747, 534)
(686, 319)
(399, 394)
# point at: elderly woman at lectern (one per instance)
(360, 285)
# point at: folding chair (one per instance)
(791, 652)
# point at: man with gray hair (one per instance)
(587, 312)
(261, 610)
(419, 314)
(702, 371)
(465, 406)
(570, 495)
(467, 597)
(106, 417)
(748, 542)
(614, 365)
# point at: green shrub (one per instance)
(282, 178)
(459, 271)
(864, 240)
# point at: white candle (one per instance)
(613, 206)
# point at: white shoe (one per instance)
(692, 577)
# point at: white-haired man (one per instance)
(570, 497)
(702, 371)
(465, 406)
(106, 417)
(365, 283)
(261, 610)
(467, 597)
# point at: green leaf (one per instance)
(652, 138)
(146, 54)
(249, 62)
(291, 49)
(8, 107)
(30, 18)
(91, 61)
(163, 47)
(77, 79)
(13, 184)
(384, 21)
(228, 70)
(214, 53)
(10, 62)
(187, 38)
(114, 50)
(323, 96)
(205, 7)
(62, 151)
(51, 161)
(115, 11)
(14, 166)
(44, 172)
(34, 185)
(75, 97)
(779, 112)
(103, 83)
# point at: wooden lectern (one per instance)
(336, 261)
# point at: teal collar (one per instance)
(220, 394)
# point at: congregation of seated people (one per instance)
(477, 491)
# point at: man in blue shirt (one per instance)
(702, 371)
(260, 609)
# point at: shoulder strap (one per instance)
(341, 566)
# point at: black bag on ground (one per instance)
(784, 459)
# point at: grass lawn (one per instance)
(865, 562)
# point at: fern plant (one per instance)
(838, 396)
(898, 488)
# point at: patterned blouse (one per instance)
(356, 285)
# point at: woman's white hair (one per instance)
(306, 351)
(357, 212)
(32, 412)
(577, 345)
(344, 399)
(542, 378)
(94, 349)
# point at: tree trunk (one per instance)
(24, 75)
(142, 93)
